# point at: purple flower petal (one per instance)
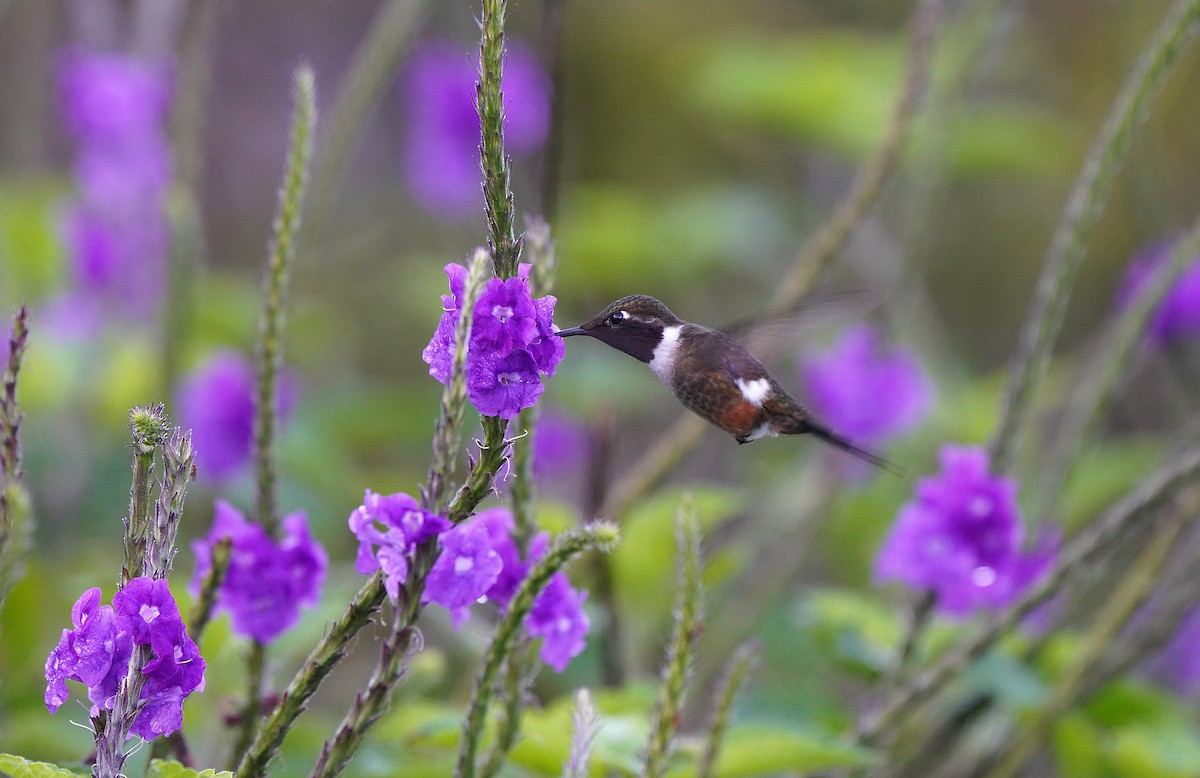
(441, 145)
(961, 538)
(465, 570)
(268, 581)
(864, 392)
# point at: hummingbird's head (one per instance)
(633, 324)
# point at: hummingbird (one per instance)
(711, 373)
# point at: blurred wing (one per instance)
(819, 310)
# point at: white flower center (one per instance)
(463, 565)
(502, 312)
(564, 625)
(508, 378)
(983, 576)
(980, 506)
(148, 613)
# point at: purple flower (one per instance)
(388, 530)
(865, 392)
(561, 444)
(513, 343)
(499, 524)
(465, 570)
(503, 386)
(557, 615)
(1178, 665)
(961, 536)
(97, 653)
(1178, 315)
(115, 107)
(558, 618)
(217, 402)
(441, 145)
(268, 580)
(505, 318)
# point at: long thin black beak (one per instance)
(571, 331)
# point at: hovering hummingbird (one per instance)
(712, 374)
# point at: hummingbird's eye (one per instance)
(616, 318)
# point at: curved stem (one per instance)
(1083, 210)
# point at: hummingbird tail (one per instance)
(834, 439)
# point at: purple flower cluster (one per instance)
(389, 529)
(1178, 316)
(1178, 665)
(441, 147)
(216, 402)
(97, 652)
(115, 108)
(961, 538)
(513, 343)
(479, 561)
(268, 580)
(865, 392)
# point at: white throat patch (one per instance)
(663, 360)
(755, 391)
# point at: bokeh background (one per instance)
(703, 142)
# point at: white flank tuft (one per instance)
(755, 391)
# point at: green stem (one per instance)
(1097, 389)
(448, 428)
(517, 668)
(1082, 212)
(732, 680)
(374, 67)
(248, 721)
(201, 613)
(280, 256)
(600, 535)
(320, 662)
(148, 425)
(688, 617)
(497, 192)
(15, 523)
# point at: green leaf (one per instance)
(857, 631)
(163, 769)
(835, 88)
(1077, 748)
(757, 750)
(19, 767)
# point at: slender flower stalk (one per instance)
(269, 356)
(543, 263)
(518, 666)
(370, 704)
(15, 523)
(518, 674)
(1079, 218)
(585, 720)
(737, 670)
(280, 256)
(602, 536)
(454, 396)
(678, 665)
(1097, 389)
(178, 470)
(653, 467)
(497, 191)
(202, 608)
(492, 453)
(149, 427)
(1074, 558)
(372, 69)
